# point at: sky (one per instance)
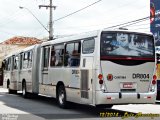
(20, 22)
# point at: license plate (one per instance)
(128, 85)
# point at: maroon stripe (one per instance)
(125, 58)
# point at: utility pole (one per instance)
(51, 7)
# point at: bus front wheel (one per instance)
(61, 97)
(24, 92)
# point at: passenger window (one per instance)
(27, 60)
(46, 57)
(24, 60)
(57, 55)
(15, 62)
(21, 56)
(88, 46)
(7, 64)
(72, 54)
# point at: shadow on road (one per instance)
(47, 108)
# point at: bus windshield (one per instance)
(126, 44)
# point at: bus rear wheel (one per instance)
(61, 97)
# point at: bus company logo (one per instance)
(110, 77)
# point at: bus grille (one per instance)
(84, 83)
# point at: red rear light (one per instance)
(154, 77)
(100, 76)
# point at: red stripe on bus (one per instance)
(124, 58)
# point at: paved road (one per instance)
(15, 107)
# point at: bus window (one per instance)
(25, 61)
(15, 63)
(88, 46)
(127, 44)
(53, 59)
(57, 55)
(72, 54)
(46, 57)
(8, 64)
(29, 59)
(21, 56)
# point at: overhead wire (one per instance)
(85, 8)
(131, 22)
(77, 11)
(82, 9)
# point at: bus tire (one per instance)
(61, 97)
(24, 91)
(10, 91)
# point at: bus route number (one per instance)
(75, 71)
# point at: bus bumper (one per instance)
(125, 98)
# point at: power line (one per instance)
(140, 24)
(134, 23)
(77, 10)
(85, 7)
(131, 22)
(34, 17)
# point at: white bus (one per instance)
(20, 71)
(7, 69)
(99, 68)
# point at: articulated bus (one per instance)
(99, 68)
(21, 70)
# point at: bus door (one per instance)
(25, 72)
(87, 60)
(14, 72)
(45, 63)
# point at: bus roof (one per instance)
(20, 51)
(88, 35)
(28, 48)
(72, 37)
(126, 30)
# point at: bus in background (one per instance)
(158, 71)
(20, 72)
(8, 82)
(11, 70)
(99, 68)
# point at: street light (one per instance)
(34, 17)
